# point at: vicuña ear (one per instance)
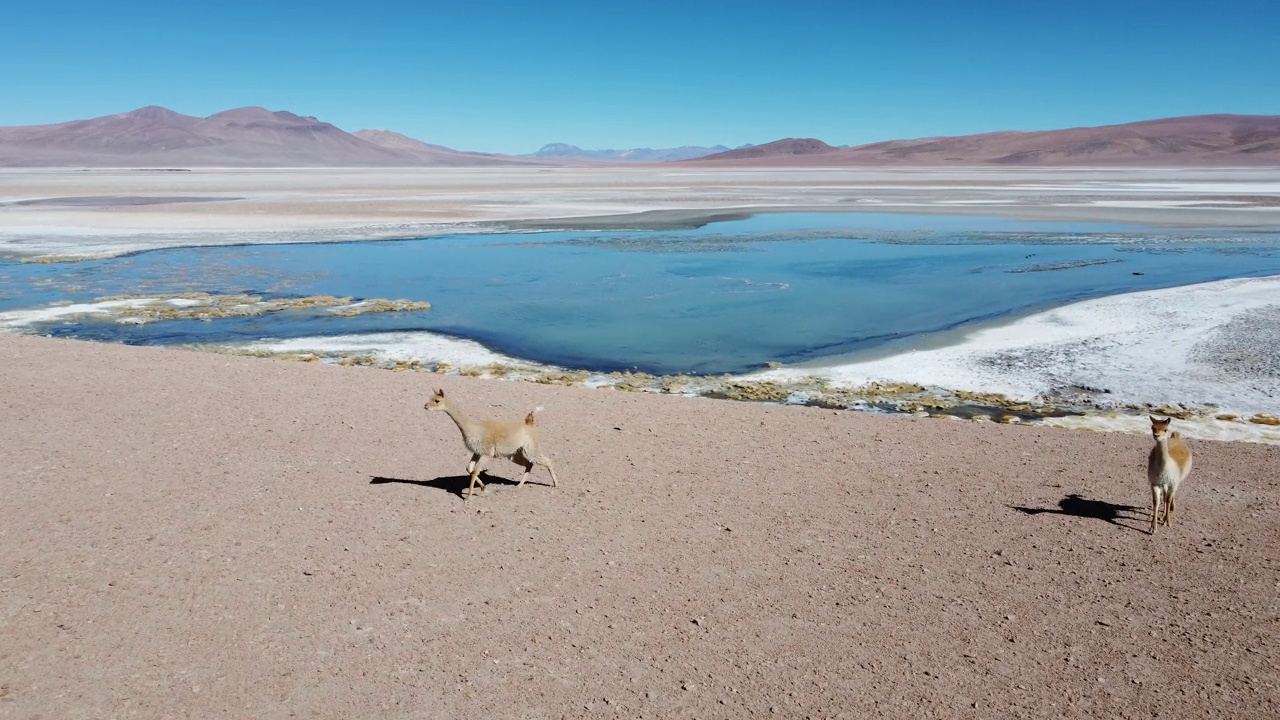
(439, 393)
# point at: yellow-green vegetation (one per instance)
(627, 380)
(910, 398)
(1173, 412)
(568, 377)
(208, 307)
(254, 352)
(977, 398)
(677, 384)
(361, 360)
(501, 369)
(1261, 419)
(380, 305)
(767, 391)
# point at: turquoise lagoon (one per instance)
(725, 297)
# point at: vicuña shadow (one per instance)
(1077, 506)
(456, 484)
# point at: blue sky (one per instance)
(511, 76)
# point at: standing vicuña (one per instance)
(496, 438)
(1167, 466)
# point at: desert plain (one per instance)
(193, 535)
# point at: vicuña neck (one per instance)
(459, 419)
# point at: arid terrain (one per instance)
(193, 535)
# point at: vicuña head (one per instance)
(436, 401)
(1159, 428)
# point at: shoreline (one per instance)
(920, 381)
(1086, 364)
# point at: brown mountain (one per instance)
(1214, 140)
(244, 137)
(789, 147)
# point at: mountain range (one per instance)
(1194, 140)
(256, 137)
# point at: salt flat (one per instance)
(106, 212)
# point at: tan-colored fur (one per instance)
(1167, 466)
(516, 440)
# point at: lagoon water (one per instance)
(725, 297)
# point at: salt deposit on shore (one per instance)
(398, 347)
(1212, 345)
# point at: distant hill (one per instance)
(1197, 140)
(430, 154)
(685, 152)
(244, 137)
(789, 147)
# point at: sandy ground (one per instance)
(102, 212)
(193, 535)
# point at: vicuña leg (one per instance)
(1155, 508)
(471, 466)
(522, 459)
(545, 462)
(475, 476)
(1168, 510)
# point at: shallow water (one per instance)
(726, 297)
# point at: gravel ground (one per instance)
(192, 535)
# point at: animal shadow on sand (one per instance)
(1077, 506)
(456, 484)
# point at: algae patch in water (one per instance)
(208, 307)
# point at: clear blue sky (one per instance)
(511, 76)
